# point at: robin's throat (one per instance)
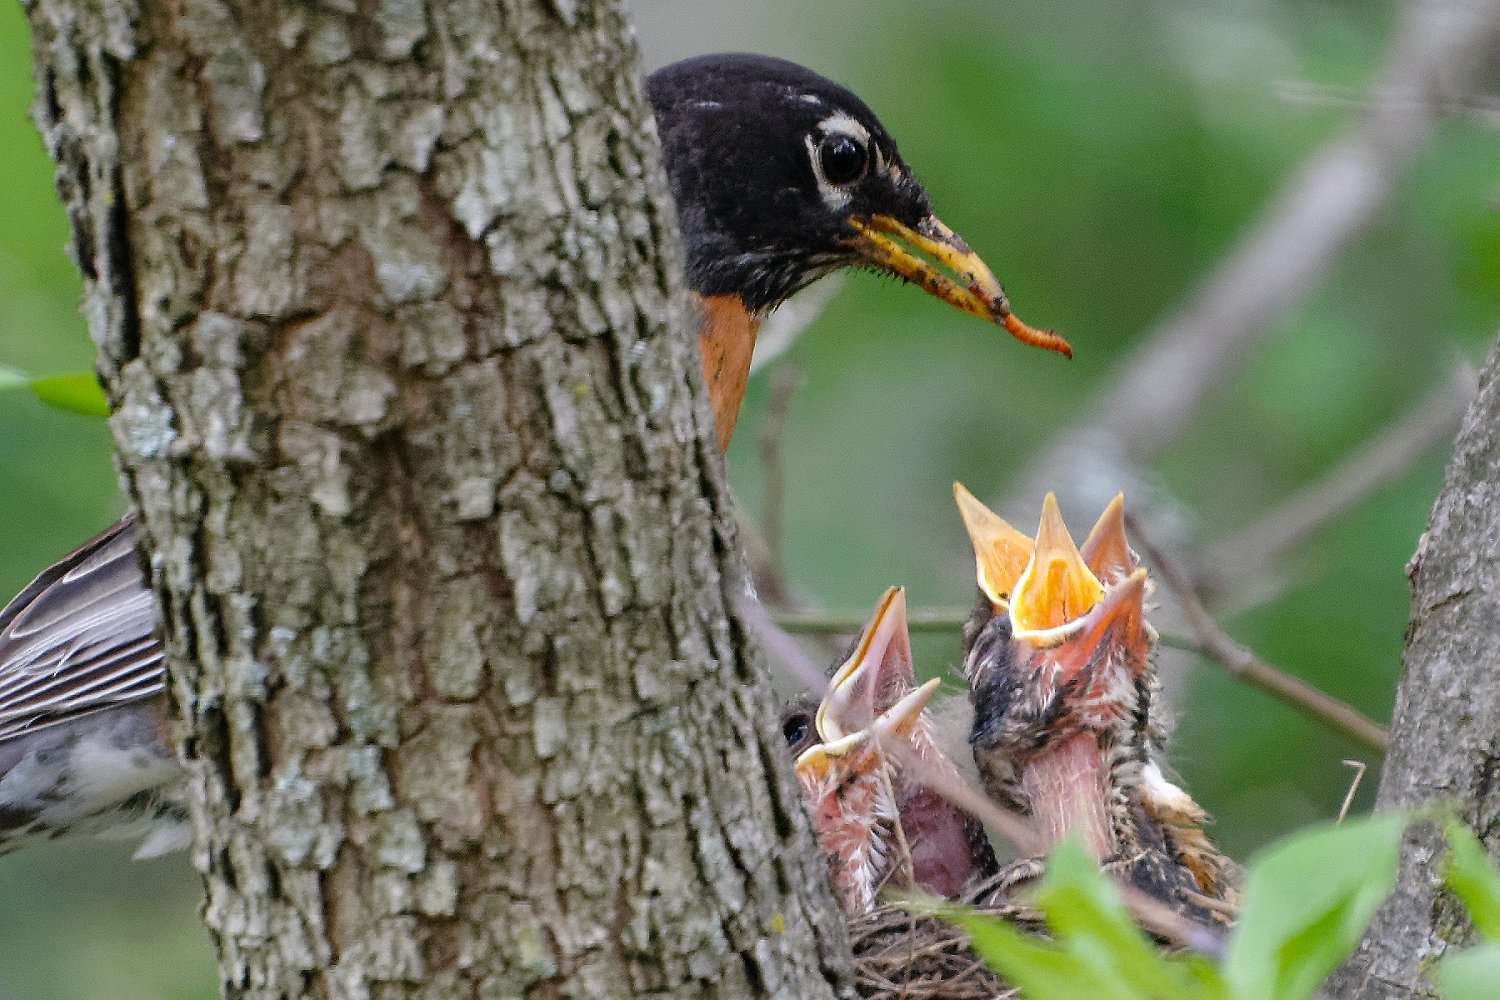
(1068, 788)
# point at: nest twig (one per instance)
(901, 956)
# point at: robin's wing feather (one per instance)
(79, 637)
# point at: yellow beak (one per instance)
(970, 286)
(1001, 553)
(1057, 587)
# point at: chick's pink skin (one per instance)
(847, 784)
(945, 848)
(852, 813)
(1094, 672)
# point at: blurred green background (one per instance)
(1101, 159)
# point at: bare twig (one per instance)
(752, 542)
(772, 580)
(1482, 109)
(1359, 775)
(1218, 646)
(1320, 211)
(905, 868)
(1382, 459)
(917, 620)
(784, 652)
(823, 622)
(787, 324)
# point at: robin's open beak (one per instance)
(970, 286)
(1115, 631)
(875, 675)
(1000, 551)
(856, 752)
(1106, 550)
(1057, 587)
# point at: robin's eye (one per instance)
(842, 158)
(795, 728)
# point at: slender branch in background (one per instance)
(772, 580)
(1154, 915)
(1483, 109)
(917, 620)
(1379, 461)
(781, 648)
(1218, 646)
(787, 324)
(1286, 255)
(1359, 775)
(752, 543)
(1242, 664)
(811, 622)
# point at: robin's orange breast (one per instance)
(726, 338)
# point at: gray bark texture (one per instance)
(387, 302)
(1445, 733)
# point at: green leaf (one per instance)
(1084, 911)
(1307, 900)
(1098, 952)
(76, 392)
(1470, 975)
(1473, 879)
(1043, 971)
(1208, 982)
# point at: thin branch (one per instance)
(917, 620)
(752, 542)
(1219, 647)
(1359, 775)
(772, 578)
(1286, 255)
(824, 622)
(780, 646)
(786, 325)
(1482, 109)
(1382, 459)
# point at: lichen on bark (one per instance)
(1445, 732)
(387, 305)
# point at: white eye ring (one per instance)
(842, 159)
(836, 195)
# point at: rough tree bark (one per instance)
(386, 301)
(1445, 734)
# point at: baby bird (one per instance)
(848, 784)
(870, 697)
(1058, 655)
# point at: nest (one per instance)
(901, 956)
(898, 955)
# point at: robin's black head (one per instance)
(781, 176)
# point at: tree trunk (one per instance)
(1445, 734)
(386, 298)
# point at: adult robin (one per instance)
(779, 175)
